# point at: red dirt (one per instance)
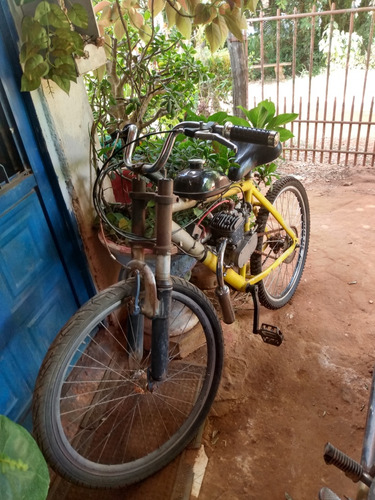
(278, 406)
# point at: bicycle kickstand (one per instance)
(270, 334)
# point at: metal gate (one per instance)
(335, 106)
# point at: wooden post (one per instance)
(240, 72)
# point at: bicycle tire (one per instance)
(289, 197)
(95, 421)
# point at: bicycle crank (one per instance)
(270, 334)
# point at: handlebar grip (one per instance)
(260, 136)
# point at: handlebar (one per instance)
(269, 138)
(224, 134)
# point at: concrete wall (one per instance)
(66, 124)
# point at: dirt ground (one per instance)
(278, 406)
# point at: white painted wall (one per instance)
(66, 122)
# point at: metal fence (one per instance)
(336, 122)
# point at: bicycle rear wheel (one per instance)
(95, 419)
(289, 197)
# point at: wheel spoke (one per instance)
(100, 412)
(290, 200)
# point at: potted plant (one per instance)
(116, 201)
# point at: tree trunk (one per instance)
(240, 72)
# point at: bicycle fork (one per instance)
(158, 292)
(160, 324)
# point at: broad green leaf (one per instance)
(64, 68)
(218, 117)
(262, 117)
(251, 115)
(216, 33)
(106, 17)
(136, 18)
(107, 45)
(233, 21)
(23, 470)
(156, 6)
(284, 134)
(213, 35)
(28, 50)
(67, 41)
(33, 31)
(27, 85)
(35, 67)
(41, 12)
(269, 106)
(237, 120)
(204, 13)
(191, 116)
(100, 72)
(78, 44)
(61, 47)
(250, 5)
(184, 25)
(145, 32)
(57, 18)
(282, 119)
(61, 81)
(78, 15)
(118, 29)
(261, 114)
(124, 223)
(171, 15)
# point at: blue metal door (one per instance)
(35, 294)
(43, 273)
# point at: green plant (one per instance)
(216, 89)
(335, 45)
(49, 44)
(23, 470)
(264, 116)
(217, 157)
(152, 75)
(143, 82)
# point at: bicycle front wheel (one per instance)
(96, 419)
(289, 198)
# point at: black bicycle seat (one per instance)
(250, 156)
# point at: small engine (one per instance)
(228, 225)
(231, 225)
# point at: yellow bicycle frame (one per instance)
(239, 280)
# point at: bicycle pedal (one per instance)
(271, 334)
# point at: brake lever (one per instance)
(211, 136)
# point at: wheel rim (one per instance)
(292, 208)
(105, 415)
